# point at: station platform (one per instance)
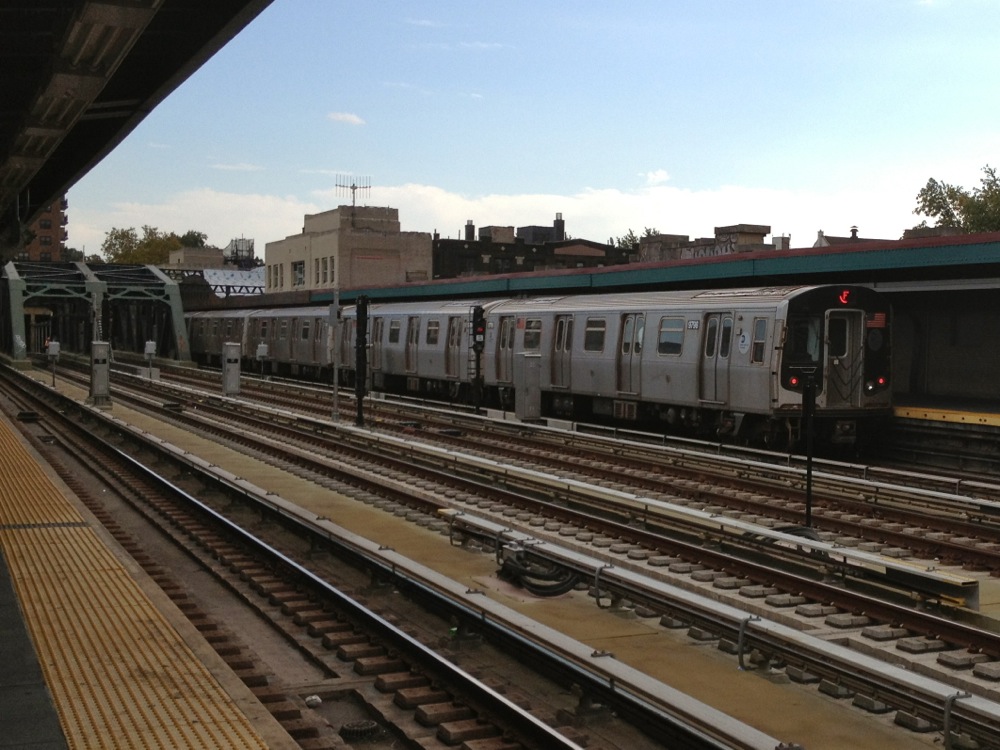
(88, 660)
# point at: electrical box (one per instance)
(52, 349)
(150, 349)
(230, 369)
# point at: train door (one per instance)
(412, 342)
(292, 347)
(630, 352)
(505, 350)
(348, 338)
(718, 339)
(844, 361)
(453, 355)
(376, 344)
(562, 351)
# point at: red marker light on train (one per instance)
(881, 380)
(793, 381)
(844, 296)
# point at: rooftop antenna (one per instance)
(353, 184)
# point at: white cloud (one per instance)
(222, 216)
(880, 209)
(238, 167)
(656, 177)
(346, 117)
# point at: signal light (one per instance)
(478, 329)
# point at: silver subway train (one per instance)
(736, 363)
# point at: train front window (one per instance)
(803, 344)
(837, 337)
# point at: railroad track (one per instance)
(293, 598)
(936, 631)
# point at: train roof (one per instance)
(722, 298)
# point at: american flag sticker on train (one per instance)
(877, 320)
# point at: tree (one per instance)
(124, 246)
(191, 238)
(954, 206)
(631, 240)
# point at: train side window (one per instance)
(283, 330)
(710, 336)
(627, 334)
(532, 334)
(837, 332)
(506, 338)
(304, 333)
(394, 326)
(727, 337)
(671, 337)
(263, 329)
(558, 342)
(433, 330)
(759, 337)
(593, 335)
(229, 328)
(215, 327)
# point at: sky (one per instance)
(675, 115)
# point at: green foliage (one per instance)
(631, 240)
(191, 238)
(124, 246)
(954, 206)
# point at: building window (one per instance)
(316, 271)
(325, 266)
(45, 223)
(299, 273)
(44, 239)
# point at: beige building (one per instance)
(350, 247)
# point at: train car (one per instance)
(209, 330)
(422, 348)
(732, 363)
(723, 362)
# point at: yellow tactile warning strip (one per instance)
(119, 674)
(947, 415)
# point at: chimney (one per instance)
(560, 228)
(470, 231)
(854, 233)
